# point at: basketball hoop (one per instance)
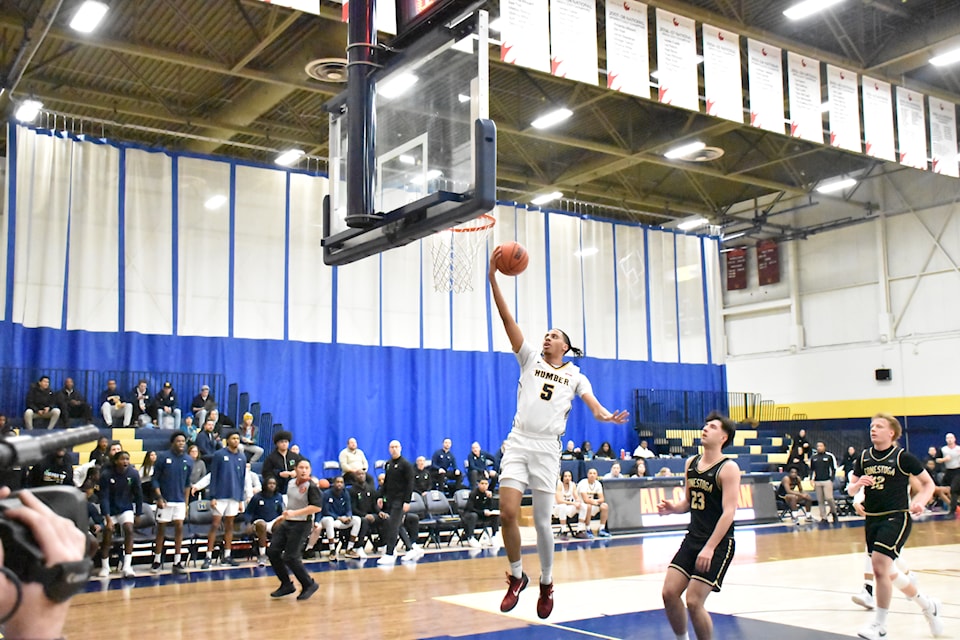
(455, 252)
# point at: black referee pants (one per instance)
(286, 551)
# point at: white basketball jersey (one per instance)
(545, 393)
(584, 487)
(568, 492)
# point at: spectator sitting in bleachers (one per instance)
(586, 451)
(791, 492)
(447, 476)
(5, 428)
(198, 472)
(338, 514)
(248, 439)
(640, 468)
(144, 410)
(590, 490)
(167, 409)
(113, 408)
(566, 502)
(480, 465)
(262, 511)
(147, 469)
(614, 472)
(41, 403)
(251, 483)
(100, 454)
(202, 403)
(207, 441)
(605, 452)
(933, 454)
(421, 476)
(73, 404)
(221, 421)
(848, 460)
(479, 511)
(643, 451)
(55, 469)
(571, 452)
(189, 429)
(664, 472)
(121, 500)
(353, 462)
(363, 501)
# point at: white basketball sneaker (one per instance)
(864, 599)
(873, 631)
(933, 618)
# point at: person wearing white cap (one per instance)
(201, 404)
(248, 439)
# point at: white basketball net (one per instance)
(455, 253)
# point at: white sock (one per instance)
(882, 616)
(105, 562)
(683, 636)
(226, 553)
(516, 569)
(176, 558)
(209, 555)
(156, 558)
(263, 550)
(922, 600)
(127, 560)
(546, 577)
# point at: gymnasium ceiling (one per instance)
(227, 77)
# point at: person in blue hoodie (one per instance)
(338, 514)
(121, 498)
(227, 470)
(171, 487)
(262, 511)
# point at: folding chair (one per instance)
(438, 506)
(428, 523)
(196, 527)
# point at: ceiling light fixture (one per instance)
(396, 87)
(215, 202)
(678, 153)
(839, 185)
(692, 223)
(289, 157)
(549, 119)
(733, 236)
(28, 110)
(808, 8)
(88, 16)
(546, 197)
(946, 58)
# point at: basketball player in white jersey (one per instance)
(566, 501)
(531, 456)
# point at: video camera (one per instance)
(21, 554)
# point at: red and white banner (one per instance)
(911, 128)
(573, 40)
(677, 60)
(525, 33)
(943, 137)
(628, 51)
(765, 66)
(843, 95)
(878, 120)
(721, 73)
(803, 85)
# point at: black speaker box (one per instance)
(882, 374)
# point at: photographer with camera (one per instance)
(29, 609)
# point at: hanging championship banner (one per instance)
(765, 67)
(628, 52)
(803, 84)
(721, 74)
(736, 269)
(943, 137)
(768, 262)
(878, 120)
(525, 34)
(842, 93)
(677, 60)
(911, 128)
(573, 40)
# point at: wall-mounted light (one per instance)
(289, 157)
(88, 16)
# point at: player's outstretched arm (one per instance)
(509, 324)
(601, 413)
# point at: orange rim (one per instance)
(488, 222)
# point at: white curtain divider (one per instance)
(531, 286)
(506, 230)
(4, 224)
(663, 298)
(310, 302)
(711, 258)
(259, 253)
(599, 284)
(204, 248)
(358, 302)
(148, 233)
(632, 294)
(401, 286)
(693, 328)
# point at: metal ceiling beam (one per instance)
(175, 57)
(913, 49)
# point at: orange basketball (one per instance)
(513, 259)
(323, 483)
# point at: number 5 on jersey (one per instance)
(546, 392)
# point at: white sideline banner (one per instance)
(878, 119)
(525, 33)
(677, 60)
(803, 84)
(943, 137)
(628, 51)
(723, 85)
(911, 128)
(765, 66)
(843, 95)
(573, 40)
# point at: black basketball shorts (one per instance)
(685, 561)
(887, 534)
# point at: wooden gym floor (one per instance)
(787, 582)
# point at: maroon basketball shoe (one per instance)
(515, 586)
(545, 601)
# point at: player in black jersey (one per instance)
(884, 472)
(712, 487)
